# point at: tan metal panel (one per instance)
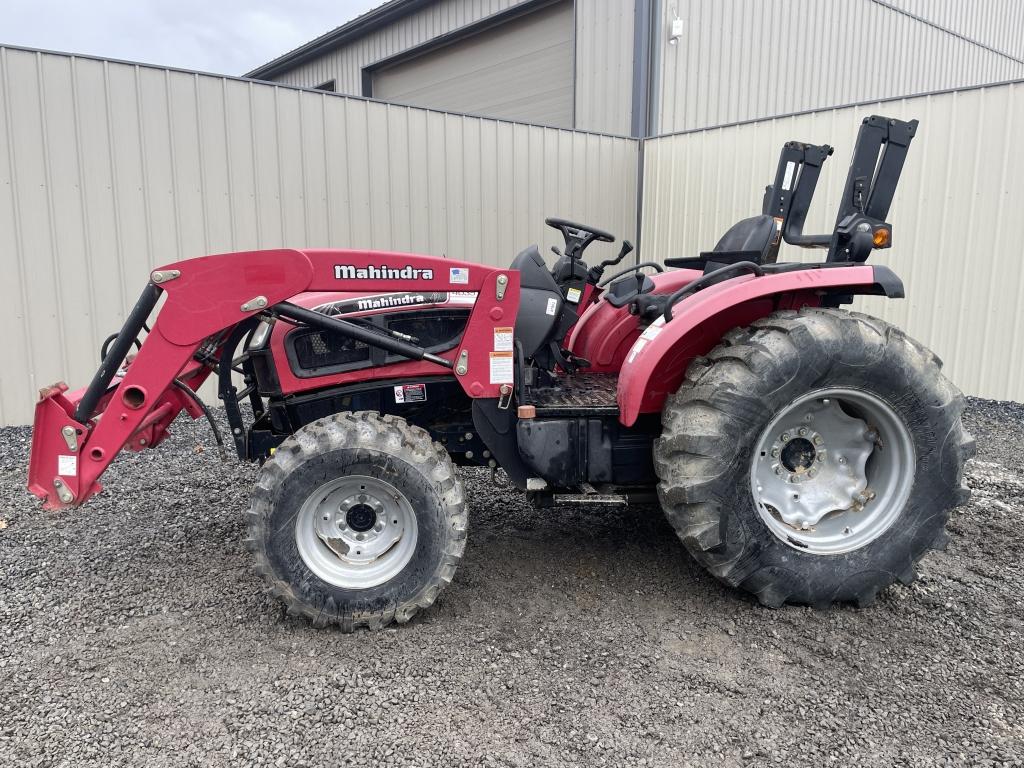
(109, 169)
(603, 54)
(521, 69)
(747, 59)
(955, 239)
(344, 65)
(604, 65)
(995, 23)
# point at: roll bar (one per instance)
(878, 158)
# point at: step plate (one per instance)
(587, 394)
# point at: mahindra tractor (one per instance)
(803, 452)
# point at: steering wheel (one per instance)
(578, 236)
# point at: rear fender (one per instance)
(657, 361)
(604, 334)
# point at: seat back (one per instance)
(540, 302)
(752, 239)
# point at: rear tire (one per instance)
(714, 458)
(358, 520)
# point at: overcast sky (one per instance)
(228, 37)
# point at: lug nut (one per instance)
(775, 453)
(802, 432)
(818, 440)
(785, 437)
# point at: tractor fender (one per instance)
(658, 359)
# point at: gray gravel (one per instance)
(135, 632)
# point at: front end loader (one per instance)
(803, 452)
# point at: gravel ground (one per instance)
(135, 632)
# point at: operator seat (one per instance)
(540, 302)
(750, 239)
(754, 239)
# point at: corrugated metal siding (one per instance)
(747, 59)
(998, 24)
(956, 217)
(519, 70)
(604, 54)
(345, 65)
(604, 65)
(109, 169)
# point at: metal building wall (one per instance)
(345, 64)
(109, 169)
(604, 65)
(956, 216)
(998, 24)
(747, 59)
(521, 69)
(604, 54)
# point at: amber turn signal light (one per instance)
(881, 237)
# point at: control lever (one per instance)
(624, 251)
(554, 250)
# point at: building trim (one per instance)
(947, 30)
(643, 23)
(324, 94)
(864, 103)
(575, 42)
(453, 36)
(358, 27)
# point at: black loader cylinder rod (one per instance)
(116, 354)
(290, 311)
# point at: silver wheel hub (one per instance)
(356, 532)
(808, 477)
(832, 470)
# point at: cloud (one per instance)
(224, 36)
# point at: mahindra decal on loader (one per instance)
(803, 452)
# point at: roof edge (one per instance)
(358, 27)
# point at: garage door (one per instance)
(521, 69)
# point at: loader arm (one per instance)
(78, 434)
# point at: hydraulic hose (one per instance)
(194, 396)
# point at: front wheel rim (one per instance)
(356, 532)
(833, 471)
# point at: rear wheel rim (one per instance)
(833, 471)
(356, 532)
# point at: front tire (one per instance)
(813, 457)
(358, 520)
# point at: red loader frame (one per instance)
(78, 434)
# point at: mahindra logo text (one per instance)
(383, 272)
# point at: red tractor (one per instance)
(803, 452)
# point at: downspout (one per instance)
(645, 22)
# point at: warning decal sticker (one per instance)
(501, 367)
(410, 393)
(503, 339)
(67, 466)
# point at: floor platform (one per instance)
(585, 394)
